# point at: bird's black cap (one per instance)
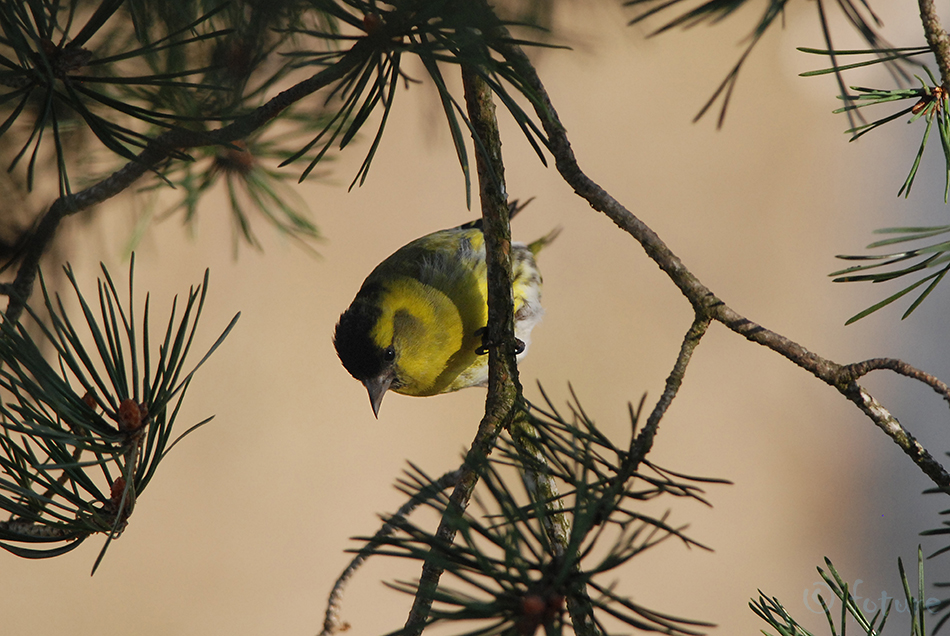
(357, 351)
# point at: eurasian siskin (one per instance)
(416, 325)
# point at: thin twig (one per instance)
(859, 369)
(22, 528)
(332, 623)
(643, 442)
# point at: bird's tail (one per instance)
(537, 245)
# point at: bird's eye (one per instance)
(389, 354)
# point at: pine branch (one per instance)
(504, 390)
(159, 149)
(503, 573)
(81, 437)
(557, 525)
(705, 303)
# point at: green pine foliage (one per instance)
(83, 434)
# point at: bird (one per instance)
(417, 324)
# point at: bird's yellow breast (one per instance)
(432, 333)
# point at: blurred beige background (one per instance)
(243, 532)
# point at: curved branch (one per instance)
(159, 149)
(859, 369)
(704, 301)
(332, 623)
(643, 442)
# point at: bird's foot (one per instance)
(486, 344)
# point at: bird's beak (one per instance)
(377, 387)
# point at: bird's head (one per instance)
(372, 363)
(400, 336)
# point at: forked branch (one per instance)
(705, 303)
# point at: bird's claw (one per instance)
(486, 344)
